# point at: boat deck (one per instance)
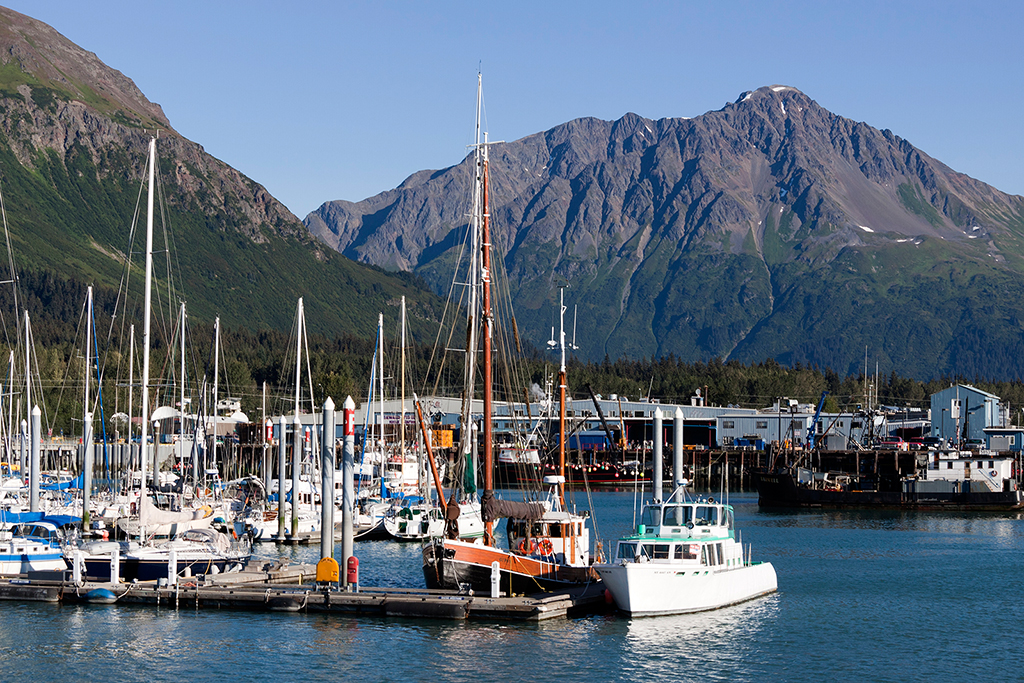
(291, 588)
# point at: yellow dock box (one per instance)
(327, 571)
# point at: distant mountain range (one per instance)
(771, 228)
(73, 144)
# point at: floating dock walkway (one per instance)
(291, 588)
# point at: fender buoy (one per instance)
(545, 547)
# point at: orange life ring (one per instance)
(527, 546)
(545, 547)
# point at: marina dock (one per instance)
(291, 588)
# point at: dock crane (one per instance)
(814, 422)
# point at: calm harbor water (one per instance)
(872, 596)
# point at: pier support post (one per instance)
(327, 482)
(658, 466)
(677, 450)
(76, 567)
(115, 565)
(36, 446)
(87, 470)
(296, 473)
(348, 460)
(172, 567)
(282, 444)
(23, 448)
(495, 579)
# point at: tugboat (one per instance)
(684, 557)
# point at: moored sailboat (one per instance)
(549, 546)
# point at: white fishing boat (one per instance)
(683, 557)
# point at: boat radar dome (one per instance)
(553, 479)
(684, 482)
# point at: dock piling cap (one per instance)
(327, 571)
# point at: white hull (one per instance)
(37, 557)
(643, 589)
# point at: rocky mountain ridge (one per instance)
(769, 228)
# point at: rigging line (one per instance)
(13, 272)
(67, 369)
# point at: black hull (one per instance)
(441, 570)
(98, 569)
(781, 490)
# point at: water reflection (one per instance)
(715, 645)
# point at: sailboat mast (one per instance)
(380, 379)
(181, 404)
(487, 316)
(473, 280)
(88, 345)
(561, 397)
(28, 366)
(401, 426)
(146, 326)
(298, 355)
(216, 377)
(131, 378)
(87, 417)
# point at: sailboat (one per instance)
(549, 545)
(206, 549)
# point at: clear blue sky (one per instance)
(342, 100)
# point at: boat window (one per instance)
(556, 530)
(652, 516)
(991, 463)
(678, 515)
(661, 551)
(706, 515)
(705, 556)
(728, 519)
(517, 528)
(718, 552)
(678, 554)
(627, 551)
(537, 529)
(690, 551)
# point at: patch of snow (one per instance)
(780, 88)
(781, 208)
(648, 129)
(901, 241)
(783, 105)
(865, 228)
(748, 96)
(972, 237)
(976, 227)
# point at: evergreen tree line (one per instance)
(340, 366)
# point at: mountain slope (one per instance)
(73, 144)
(769, 228)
